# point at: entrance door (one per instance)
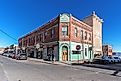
(64, 53)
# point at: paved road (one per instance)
(11, 70)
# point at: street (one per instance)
(11, 70)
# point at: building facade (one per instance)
(68, 38)
(107, 50)
(96, 23)
(2, 50)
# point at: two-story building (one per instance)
(68, 38)
(107, 50)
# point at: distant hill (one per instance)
(117, 53)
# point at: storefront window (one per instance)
(85, 51)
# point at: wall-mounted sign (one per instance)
(78, 47)
(64, 18)
(76, 52)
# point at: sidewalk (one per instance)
(48, 62)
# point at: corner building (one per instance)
(68, 38)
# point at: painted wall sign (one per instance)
(64, 18)
(76, 52)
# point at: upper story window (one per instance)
(40, 37)
(29, 40)
(52, 32)
(89, 36)
(81, 34)
(65, 30)
(85, 35)
(37, 38)
(76, 32)
(33, 39)
(45, 35)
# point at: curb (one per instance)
(47, 62)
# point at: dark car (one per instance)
(21, 56)
(100, 61)
(13, 56)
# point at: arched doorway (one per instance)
(64, 53)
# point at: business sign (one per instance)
(64, 18)
(78, 47)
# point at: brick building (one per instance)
(107, 50)
(68, 38)
(2, 50)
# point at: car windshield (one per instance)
(115, 57)
(110, 57)
(22, 54)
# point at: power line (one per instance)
(8, 35)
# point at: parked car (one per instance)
(116, 59)
(10, 55)
(110, 59)
(6, 54)
(13, 56)
(100, 61)
(21, 56)
(104, 60)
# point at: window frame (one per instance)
(64, 33)
(76, 32)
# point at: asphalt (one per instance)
(110, 69)
(12, 70)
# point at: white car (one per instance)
(21, 56)
(6, 54)
(116, 59)
(108, 58)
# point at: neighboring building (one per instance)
(96, 23)
(107, 50)
(12, 49)
(68, 38)
(2, 50)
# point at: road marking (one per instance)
(5, 72)
(76, 69)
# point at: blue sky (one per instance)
(18, 17)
